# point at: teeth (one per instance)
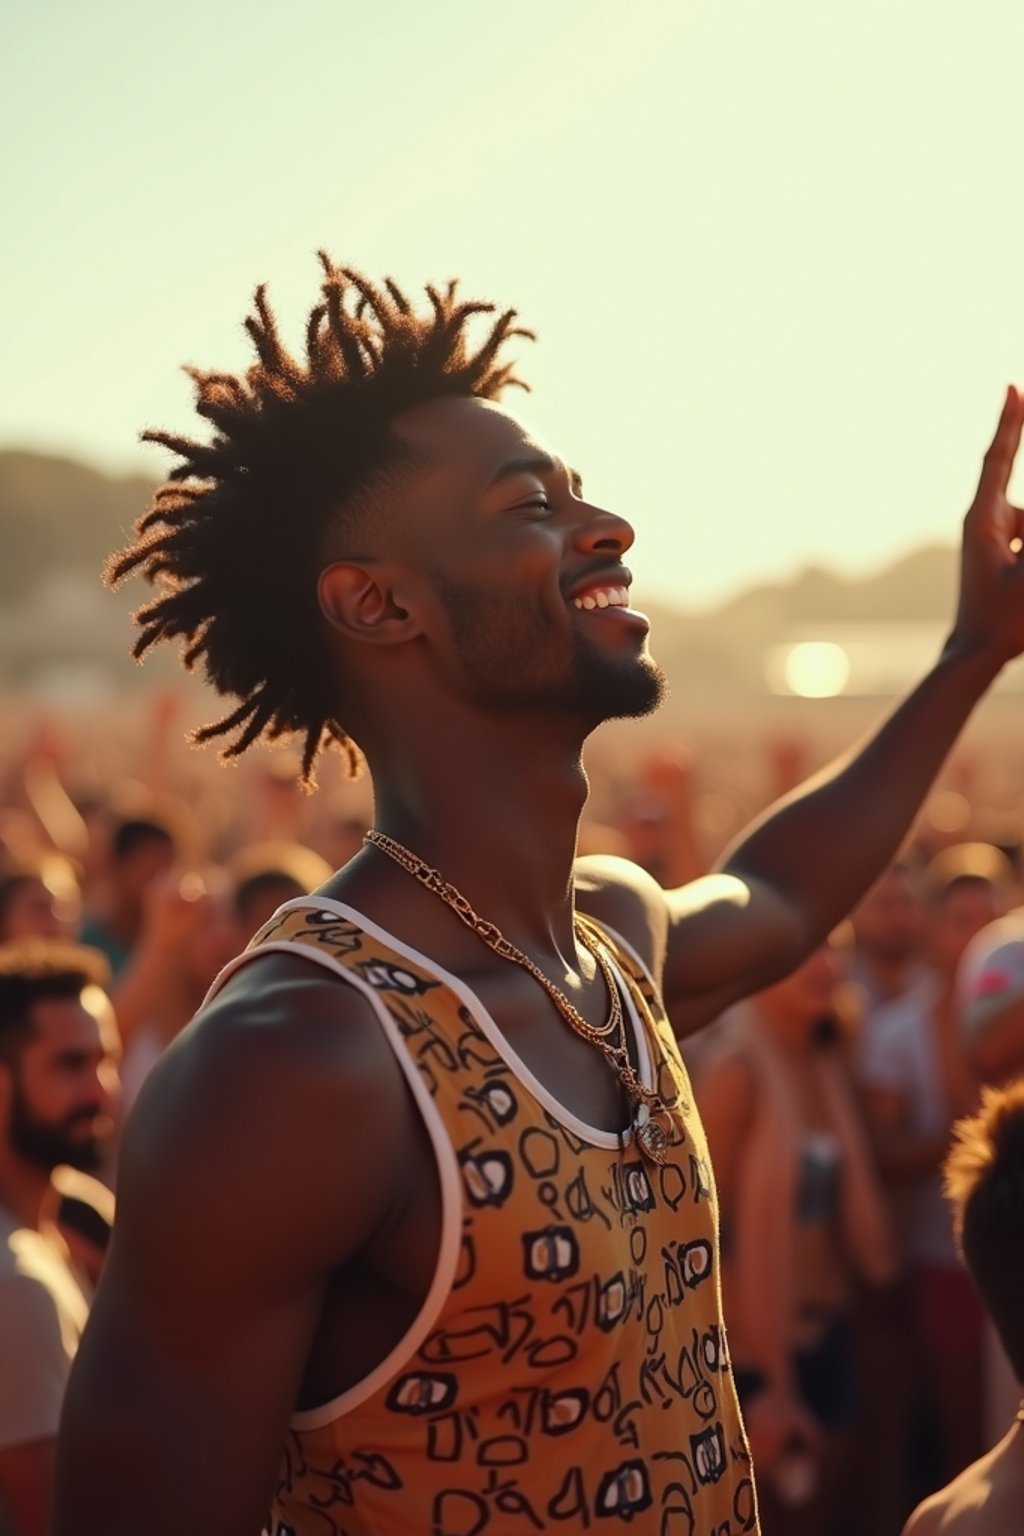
(605, 597)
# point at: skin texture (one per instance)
(985, 1500)
(278, 1219)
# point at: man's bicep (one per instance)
(191, 1359)
(159, 1387)
(728, 937)
(240, 1190)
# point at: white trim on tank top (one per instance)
(448, 1170)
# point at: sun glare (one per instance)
(816, 669)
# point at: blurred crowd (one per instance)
(868, 1371)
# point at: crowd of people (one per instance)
(860, 1345)
(492, 1187)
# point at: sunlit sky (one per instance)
(774, 252)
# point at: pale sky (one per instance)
(773, 249)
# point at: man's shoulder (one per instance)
(43, 1313)
(283, 1042)
(263, 1107)
(925, 1521)
(627, 900)
(40, 1299)
(976, 1501)
(283, 1007)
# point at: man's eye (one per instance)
(539, 503)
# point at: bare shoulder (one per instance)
(627, 899)
(269, 1099)
(927, 1517)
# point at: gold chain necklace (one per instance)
(646, 1104)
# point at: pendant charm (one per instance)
(650, 1136)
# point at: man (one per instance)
(57, 1077)
(985, 1184)
(437, 1245)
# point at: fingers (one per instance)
(998, 462)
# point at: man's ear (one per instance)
(360, 602)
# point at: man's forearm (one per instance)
(827, 843)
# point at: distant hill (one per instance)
(917, 588)
(59, 520)
(59, 514)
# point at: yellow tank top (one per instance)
(568, 1368)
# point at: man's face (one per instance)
(65, 1083)
(520, 578)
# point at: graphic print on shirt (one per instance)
(576, 1375)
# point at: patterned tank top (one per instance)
(568, 1368)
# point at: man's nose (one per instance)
(599, 530)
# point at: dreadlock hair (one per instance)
(234, 537)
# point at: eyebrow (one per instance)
(536, 464)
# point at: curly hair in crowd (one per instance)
(235, 539)
(984, 1182)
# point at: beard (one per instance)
(506, 652)
(49, 1143)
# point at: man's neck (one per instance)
(499, 821)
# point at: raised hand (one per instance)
(175, 908)
(990, 613)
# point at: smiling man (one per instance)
(417, 1229)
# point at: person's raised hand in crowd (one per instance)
(175, 907)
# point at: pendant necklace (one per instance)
(647, 1109)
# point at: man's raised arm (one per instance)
(805, 864)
